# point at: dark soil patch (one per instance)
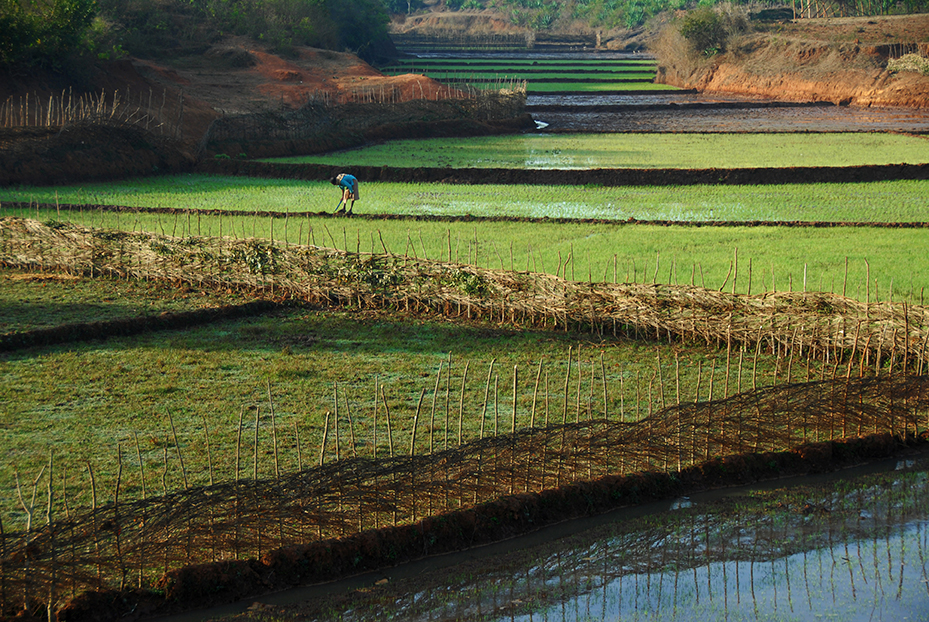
(84, 152)
(594, 177)
(124, 209)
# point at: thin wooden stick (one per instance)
(177, 447)
(322, 446)
(277, 465)
(535, 393)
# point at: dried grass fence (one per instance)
(145, 110)
(848, 336)
(368, 106)
(872, 382)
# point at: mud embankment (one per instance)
(580, 177)
(798, 70)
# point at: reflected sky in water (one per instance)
(848, 549)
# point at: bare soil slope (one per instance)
(185, 95)
(841, 60)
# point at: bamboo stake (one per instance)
(490, 370)
(177, 446)
(564, 414)
(390, 436)
(322, 446)
(255, 454)
(435, 394)
(535, 393)
(419, 406)
(515, 376)
(277, 466)
(464, 378)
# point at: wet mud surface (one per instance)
(126, 209)
(692, 112)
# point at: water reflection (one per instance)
(849, 550)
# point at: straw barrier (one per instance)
(813, 325)
(356, 513)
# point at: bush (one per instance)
(909, 62)
(708, 30)
(42, 34)
(703, 29)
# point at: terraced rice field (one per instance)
(541, 76)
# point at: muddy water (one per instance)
(713, 113)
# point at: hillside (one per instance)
(841, 60)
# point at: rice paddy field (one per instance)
(549, 75)
(308, 384)
(631, 150)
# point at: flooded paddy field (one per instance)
(697, 112)
(848, 547)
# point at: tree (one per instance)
(42, 32)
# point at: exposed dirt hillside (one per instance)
(841, 60)
(184, 96)
(233, 77)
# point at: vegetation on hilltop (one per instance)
(541, 15)
(50, 33)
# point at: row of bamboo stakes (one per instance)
(67, 107)
(127, 542)
(863, 388)
(738, 563)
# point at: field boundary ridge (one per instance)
(130, 209)
(574, 177)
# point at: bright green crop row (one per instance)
(596, 87)
(890, 201)
(703, 255)
(484, 76)
(530, 70)
(589, 151)
(483, 62)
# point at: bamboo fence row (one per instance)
(725, 562)
(808, 325)
(145, 110)
(323, 111)
(133, 542)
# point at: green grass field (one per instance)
(607, 76)
(84, 400)
(589, 151)
(881, 262)
(596, 87)
(567, 64)
(891, 201)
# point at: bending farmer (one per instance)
(349, 186)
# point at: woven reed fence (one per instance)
(630, 567)
(132, 543)
(832, 328)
